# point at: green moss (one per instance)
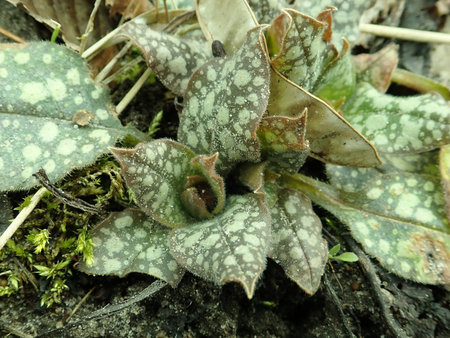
(56, 236)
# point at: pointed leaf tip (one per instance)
(229, 247)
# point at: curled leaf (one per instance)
(345, 19)
(308, 60)
(283, 142)
(331, 138)
(130, 241)
(160, 171)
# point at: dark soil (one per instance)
(197, 308)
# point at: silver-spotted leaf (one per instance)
(444, 164)
(173, 58)
(43, 87)
(399, 219)
(283, 142)
(399, 124)
(352, 179)
(266, 10)
(230, 247)
(310, 61)
(331, 138)
(130, 241)
(296, 242)
(225, 21)
(345, 19)
(224, 102)
(158, 173)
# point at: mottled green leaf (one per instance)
(296, 242)
(345, 19)
(377, 68)
(352, 179)
(399, 219)
(160, 171)
(331, 138)
(230, 247)
(224, 102)
(283, 142)
(399, 124)
(130, 241)
(266, 10)
(444, 164)
(226, 21)
(310, 61)
(173, 58)
(43, 86)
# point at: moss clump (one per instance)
(56, 236)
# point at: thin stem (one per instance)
(101, 44)
(89, 26)
(77, 307)
(105, 71)
(11, 36)
(12, 228)
(419, 83)
(405, 33)
(123, 69)
(133, 91)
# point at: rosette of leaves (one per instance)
(190, 221)
(186, 221)
(242, 109)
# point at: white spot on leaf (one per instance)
(66, 146)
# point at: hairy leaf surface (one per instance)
(44, 86)
(130, 241)
(399, 219)
(352, 179)
(444, 164)
(160, 171)
(266, 10)
(310, 61)
(230, 247)
(296, 242)
(283, 142)
(399, 124)
(224, 103)
(173, 59)
(345, 19)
